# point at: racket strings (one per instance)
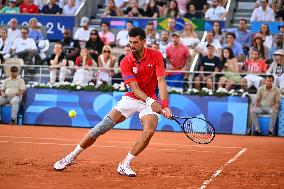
(199, 130)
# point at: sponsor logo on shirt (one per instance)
(135, 70)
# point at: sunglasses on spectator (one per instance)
(94, 34)
(65, 33)
(106, 51)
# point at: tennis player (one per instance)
(142, 70)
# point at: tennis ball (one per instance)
(72, 113)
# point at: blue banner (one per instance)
(51, 107)
(53, 24)
(273, 27)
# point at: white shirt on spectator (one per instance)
(7, 46)
(13, 34)
(122, 38)
(82, 35)
(24, 44)
(215, 43)
(215, 13)
(69, 11)
(259, 15)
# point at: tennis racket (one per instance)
(196, 129)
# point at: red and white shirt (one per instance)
(257, 66)
(145, 72)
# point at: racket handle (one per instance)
(166, 112)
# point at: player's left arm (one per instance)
(162, 85)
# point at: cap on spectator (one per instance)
(14, 69)
(210, 45)
(175, 34)
(279, 52)
(13, 1)
(84, 21)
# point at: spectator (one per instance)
(189, 37)
(117, 77)
(172, 11)
(83, 33)
(111, 9)
(254, 66)
(71, 47)
(39, 4)
(267, 101)
(134, 10)
(151, 34)
(231, 70)
(263, 13)
(235, 46)
(95, 45)
(13, 32)
(209, 39)
(243, 35)
(171, 25)
(179, 59)
(216, 12)
(24, 47)
(122, 36)
(281, 28)
(278, 46)
(70, 8)
(83, 66)
(191, 12)
(266, 36)
(5, 44)
(51, 8)
(152, 9)
(164, 43)
(12, 91)
(28, 7)
(182, 6)
(106, 36)
(217, 32)
(59, 62)
(34, 30)
(280, 14)
(12, 8)
(258, 43)
(277, 68)
(105, 62)
(199, 4)
(209, 63)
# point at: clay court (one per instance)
(171, 160)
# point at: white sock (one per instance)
(128, 158)
(76, 152)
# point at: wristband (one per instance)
(150, 101)
(165, 103)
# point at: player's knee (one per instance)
(101, 128)
(148, 133)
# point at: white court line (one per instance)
(207, 182)
(113, 141)
(101, 146)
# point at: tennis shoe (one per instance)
(125, 169)
(63, 163)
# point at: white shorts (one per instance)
(253, 80)
(127, 106)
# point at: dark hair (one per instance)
(267, 31)
(242, 19)
(104, 23)
(98, 36)
(188, 5)
(219, 30)
(130, 22)
(270, 76)
(25, 28)
(14, 69)
(137, 31)
(231, 53)
(231, 34)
